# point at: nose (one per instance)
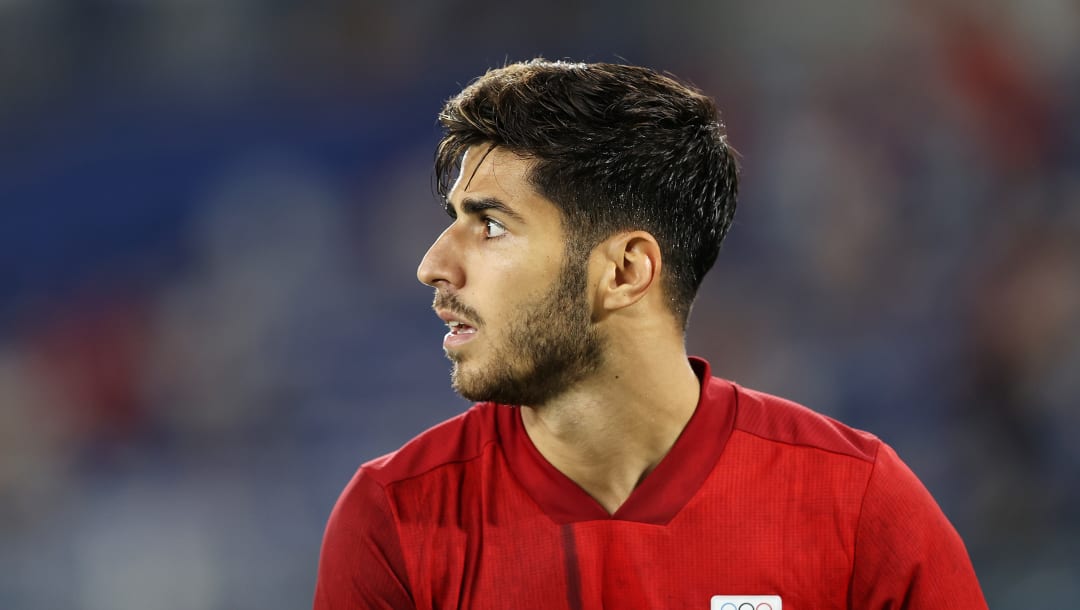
(440, 266)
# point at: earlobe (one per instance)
(631, 267)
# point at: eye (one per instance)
(493, 229)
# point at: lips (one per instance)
(461, 332)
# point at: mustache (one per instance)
(449, 302)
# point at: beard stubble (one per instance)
(549, 345)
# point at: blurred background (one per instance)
(211, 214)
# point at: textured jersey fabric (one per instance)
(758, 496)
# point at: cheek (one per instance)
(516, 268)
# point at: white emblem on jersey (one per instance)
(745, 602)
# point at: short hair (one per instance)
(616, 148)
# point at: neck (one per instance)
(610, 431)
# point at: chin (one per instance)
(464, 382)
(475, 382)
(470, 392)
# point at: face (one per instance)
(511, 291)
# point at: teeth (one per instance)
(459, 327)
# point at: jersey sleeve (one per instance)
(361, 566)
(907, 554)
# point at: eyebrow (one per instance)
(475, 207)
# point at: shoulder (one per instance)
(367, 503)
(454, 441)
(783, 421)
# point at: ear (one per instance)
(631, 266)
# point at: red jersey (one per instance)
(758, 497)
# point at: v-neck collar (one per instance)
(662, 494)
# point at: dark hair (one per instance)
(615, 148)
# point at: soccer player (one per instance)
(601, 467)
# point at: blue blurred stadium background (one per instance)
(212, 213)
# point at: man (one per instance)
(602, 468)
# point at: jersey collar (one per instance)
(662, 494)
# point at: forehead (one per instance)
(495, 172)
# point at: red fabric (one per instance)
(759, 496)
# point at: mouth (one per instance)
(460, 333)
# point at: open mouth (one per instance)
(460, 328)
(460, 334)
